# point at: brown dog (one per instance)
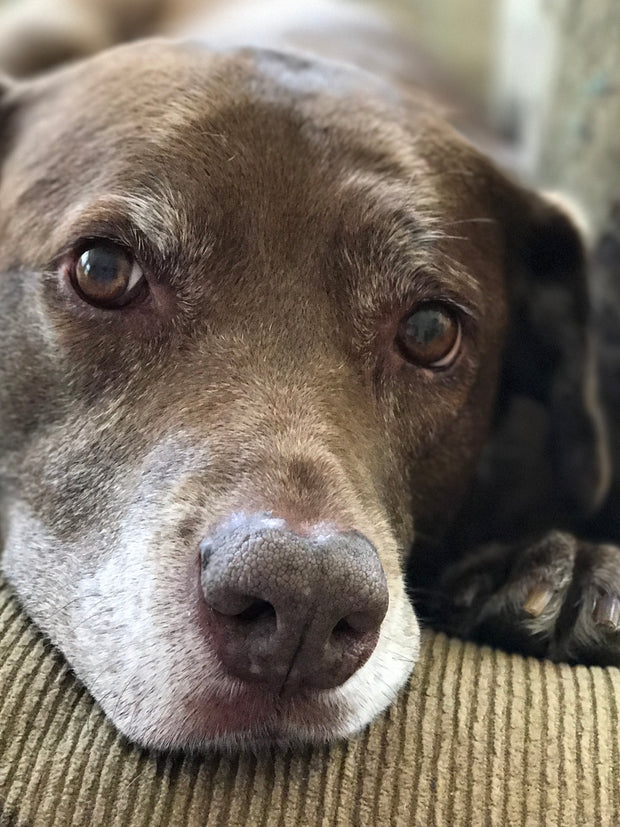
(254, 305)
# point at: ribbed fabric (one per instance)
(478, 738)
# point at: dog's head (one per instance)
(252, 318)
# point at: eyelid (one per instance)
(416, 285)
(435, 292)
(77, 246)
(463, 313)
(118, 230)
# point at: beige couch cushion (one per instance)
(478, 738)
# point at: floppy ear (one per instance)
(549, 352)
(5, 92)
(8, 91)
(8, 95)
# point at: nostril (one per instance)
(343, 629)
(206, 550)
(355, 626)
(257, 610)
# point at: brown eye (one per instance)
(430, 336)
(106, 275)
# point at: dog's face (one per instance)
(252, 316)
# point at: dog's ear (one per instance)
(14, 96)
(5, 86)
(6, 89)
(549, 352)
(8, 93)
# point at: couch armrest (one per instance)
(478, 737)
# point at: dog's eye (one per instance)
(106, 275)
(430, 336)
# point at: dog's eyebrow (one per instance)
(408, 252)
(154, 227)
(155, 216)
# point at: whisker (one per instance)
(96, 613)
(478, 220)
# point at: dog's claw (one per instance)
(606, 612)
(537, 600)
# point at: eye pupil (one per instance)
(101, 265)
(430, 336)
(427, 325)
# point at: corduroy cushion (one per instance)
(478, 738)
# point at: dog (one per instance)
(275, 340)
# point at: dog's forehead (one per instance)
(183, 97)
(189, 144)
(181, 114)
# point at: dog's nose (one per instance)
(292, 612)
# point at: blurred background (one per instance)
(546, 75)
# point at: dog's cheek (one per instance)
(42, 570)
(30, 371)
(30, 375)
(436, 440)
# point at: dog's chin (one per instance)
(139, 648)
(234, 715)
(251, 721)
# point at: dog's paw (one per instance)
(557, 598)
